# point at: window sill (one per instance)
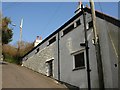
(77, 26)
(62, 36)
(89, 28)
(78, 68)
(36, 52)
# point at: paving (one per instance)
(14, 76)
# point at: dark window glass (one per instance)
(37, 51)
(52, 40)
(90, 24)
(67, 30)
(79, 60)
(78, 23)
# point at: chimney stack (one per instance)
(80, 3)
(79, 7)
(38, 40)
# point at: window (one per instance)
(26, 58)
(67, 30)
(37, 51)
(79, 61)
(78, 23)
(90, 24)
(52, 40)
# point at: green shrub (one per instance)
(11, 59)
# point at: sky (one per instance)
(43, 18)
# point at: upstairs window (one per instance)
(26, 58)
(79, 61)
(67, 30)
(90, 24)
(37, 51)
(52, 40)
(78, 23)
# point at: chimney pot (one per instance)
(37, 38)
(40, 38)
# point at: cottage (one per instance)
(62, 57)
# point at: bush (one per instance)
(13, 55)
(10, 54)
(11, 59)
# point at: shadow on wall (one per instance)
(69, 86)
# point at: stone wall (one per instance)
(37, 62)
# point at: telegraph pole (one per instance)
(21, 24)
(94, 20)
(97, 47)
(20, 39)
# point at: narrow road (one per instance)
(14, 76)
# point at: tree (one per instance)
(1, 35)
(6, 31)
(25, 47)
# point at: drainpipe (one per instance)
(87, 49)
(97, 48)
(58, 57)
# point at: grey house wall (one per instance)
(108, 34)
(69, 44)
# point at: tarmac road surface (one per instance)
(14, 76)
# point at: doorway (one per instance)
(50, 68)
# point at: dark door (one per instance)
(49, 68)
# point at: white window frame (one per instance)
(75, 53)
